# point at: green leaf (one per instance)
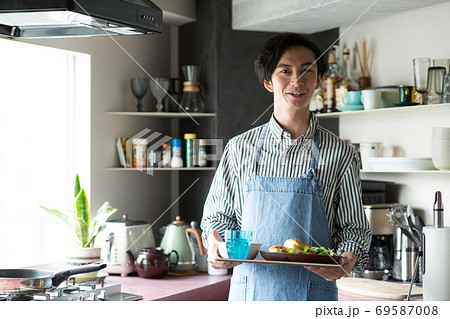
(77, 186)
(98, 222)
(82, 207)
(58, 214)
(82, 231)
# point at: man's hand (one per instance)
(347, 262)
(213, 252)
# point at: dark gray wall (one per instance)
(233, 91)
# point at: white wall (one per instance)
(397, 40)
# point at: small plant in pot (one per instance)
(85, 229)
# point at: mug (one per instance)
(405, 93)
(352, 98)
(369, 150)
(370, 99)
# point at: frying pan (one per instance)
(27, 281)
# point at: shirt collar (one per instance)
(280, 134)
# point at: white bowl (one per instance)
(441, 160)
(440, 148)
(439, 142)
(252, 253)
(441, 131)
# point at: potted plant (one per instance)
(85, 229)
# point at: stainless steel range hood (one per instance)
(77, 18)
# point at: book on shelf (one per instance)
(121, 150)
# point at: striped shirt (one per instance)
(337, 167)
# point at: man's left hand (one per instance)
(346, 264)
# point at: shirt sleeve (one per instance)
(219, 210)
(353, 230)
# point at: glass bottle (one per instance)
(193, 92)
(347, 83)
(330, 80)
(171, 100)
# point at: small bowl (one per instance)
(252, 253)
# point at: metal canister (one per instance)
(191, 157)
(140, 152)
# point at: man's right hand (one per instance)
(213, 252)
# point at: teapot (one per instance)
(176, 238)
(152, 262)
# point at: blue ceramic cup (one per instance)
(238, 243)
(352, 98)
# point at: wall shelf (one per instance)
(431, 171)
(387, 110)
(169, 115)
(161, 169)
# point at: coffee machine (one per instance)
(381, 253)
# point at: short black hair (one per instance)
(271, 52)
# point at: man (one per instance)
(289, 178)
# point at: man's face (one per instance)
(295, 79)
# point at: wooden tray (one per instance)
(277, 262)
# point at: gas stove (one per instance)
(81, 291)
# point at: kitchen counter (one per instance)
(200, 287)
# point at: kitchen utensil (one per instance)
(419, 224)
(300, 258)
(443, 62)
(420, 66)
(238, 243)
(398, 215)
(139, 87)
(119, 236)
(368, 289)
(446, 89)
(192, 98)
(252, 253)
(159, 87)
(368, 150)
(370, 99)
(176, 238)
(152, 262)
(400, 163)
(405, 94)
(30, 281)
(405, 254)
(435, 84)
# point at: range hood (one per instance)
(78, 18)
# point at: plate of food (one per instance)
(295, 250)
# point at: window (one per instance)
(45, 141)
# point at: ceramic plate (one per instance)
(300, 258)
(400, 163)
(405, 104)
(350, 107)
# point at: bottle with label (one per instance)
(347, 83)
(139, 152)
(330, 80)
(316, 105)
(191, 156)
(166, 155)
(202, 162)
(176, 160)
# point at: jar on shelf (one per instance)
(191, 155)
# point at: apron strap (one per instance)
(315, 150)
(258, 150)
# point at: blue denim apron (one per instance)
(276, 209)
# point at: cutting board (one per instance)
(370, 288)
